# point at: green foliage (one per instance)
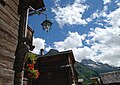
(85, 73)
(30, 59)
(30, 56)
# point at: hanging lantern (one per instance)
(46, 25)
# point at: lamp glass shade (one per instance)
(46, 25)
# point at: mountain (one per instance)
(98, 66)
(84, 72)
(88, 68)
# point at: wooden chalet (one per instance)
(110, 78)
(56, 69)
(9, 25)
(80, 81)
(95, 81)
(13, 15)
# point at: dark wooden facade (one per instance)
(56, 69)
(12, 28)
(9, 24)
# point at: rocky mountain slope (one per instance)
(88, 68)
(98, 66)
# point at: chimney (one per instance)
(41, 51)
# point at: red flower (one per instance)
(37, 71)
(29, 65)
(32, 65)
(37, 76)
(31, 68)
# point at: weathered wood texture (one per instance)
(111, 78)
(9, 22)
(55, 69)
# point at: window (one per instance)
(49, 75)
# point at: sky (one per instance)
(90, 28)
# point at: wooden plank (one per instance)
(6, 65)
(6, 76)
(8, 20)
(7, 46)
(9, 25)
(6, 59)
(5, 43)
(8, 43)
(13, 13)
(2, 9)
(16, 2)
(12, 9)
(13, 3)
(8, 31)
(7, 54)
(13, 6)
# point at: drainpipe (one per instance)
(25, 43)
(21, 50)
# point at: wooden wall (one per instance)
(9, 22)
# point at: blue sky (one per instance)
(88, 27)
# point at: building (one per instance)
(9, 25)
(110, 78)
(13, 15)
(80, 81)
(95, 81)
(56, 69)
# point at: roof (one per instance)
(93, 78)
(59, 54)
(36, 4)
(110, 77)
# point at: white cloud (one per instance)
(88, 42)
(111, 18)
(39, 43)
(106, 1)
(83, 53)
(114, 18)
(80, 1)
(71, 14)
(47, 49)
(109, 40)
(89, 19)
(105, 43)
(56, 1)
(73, 40)
(97, 15)
(118, 4)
